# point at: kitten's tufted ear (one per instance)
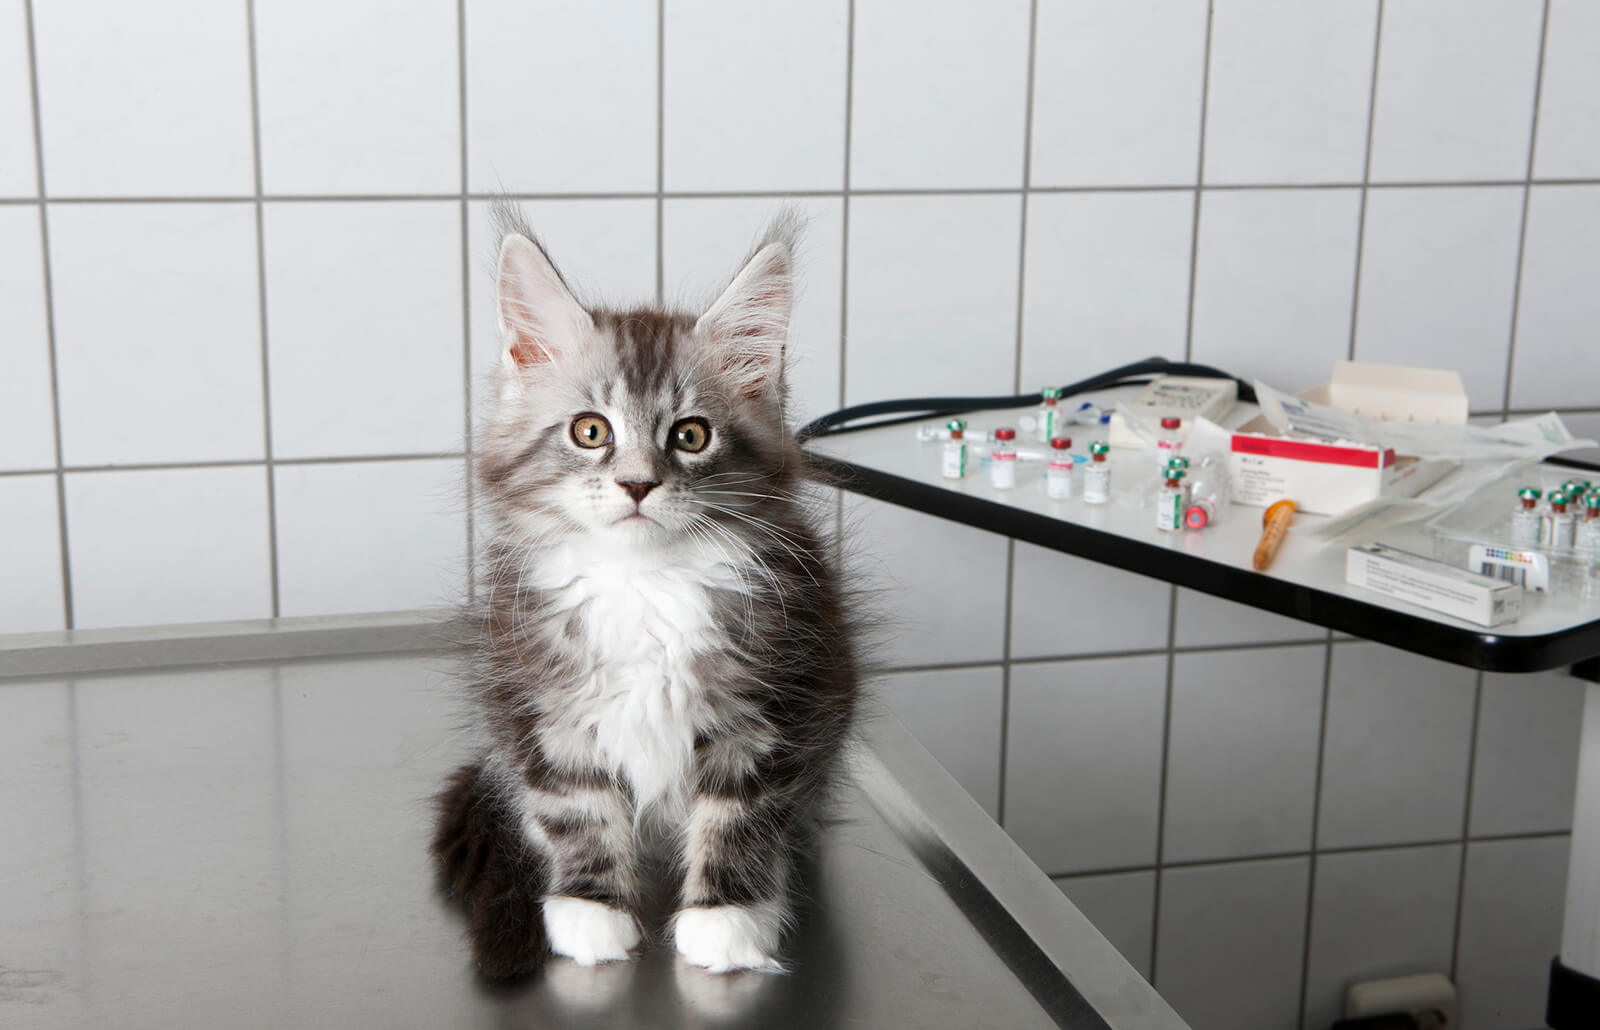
(750, 321)
(539, 318)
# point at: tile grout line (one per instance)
(1161, 783)
(1527, 193)
(261, 309)
(1316, 826)
(844, 212)
(1279, 856)
(1194, 229)
(916, 191)
(661, 148)
(48, 283)
(1016, 383)
(1466, 823)
(1366, 178)
(466, 300)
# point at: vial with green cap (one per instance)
(955, 450)
(1097, 477)
(1559, 523)
(1170, 501)
(1049, 425)
(1526, 522)
(1589, 528)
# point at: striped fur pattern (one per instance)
(662, 661)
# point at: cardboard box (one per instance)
(1321, 478)
(1434, 585)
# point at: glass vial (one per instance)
(1169, 443)
(955, 451)
(1526, 523)
(1049, 424)
(1561, 524)
(1058, 474)
(1589, 528)
(1169, 502)
(1003, 471)
(1097, 477)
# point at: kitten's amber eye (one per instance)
(692, 434)
(591, 431)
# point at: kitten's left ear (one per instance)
(750, 321)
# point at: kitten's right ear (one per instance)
(539, 318)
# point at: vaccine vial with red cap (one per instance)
(1058, 474)
(1169, 443)
(1003, 470)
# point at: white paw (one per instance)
(728, 937)
(587, 931)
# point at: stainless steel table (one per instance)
(202, 831)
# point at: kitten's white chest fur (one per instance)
(645, 618)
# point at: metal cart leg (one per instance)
(1574, 998)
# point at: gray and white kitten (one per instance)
(661, 656)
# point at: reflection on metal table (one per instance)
(243, 844)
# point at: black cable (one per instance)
(938, 407)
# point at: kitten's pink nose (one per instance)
(636, 488)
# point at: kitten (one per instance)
(662, 658)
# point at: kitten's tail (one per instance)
(484, 862)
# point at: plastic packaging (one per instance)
(1209, 498)
(1097, 476)
(1058, 474)
(955, 451)
(1003, 471)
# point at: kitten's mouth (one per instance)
(637, 516)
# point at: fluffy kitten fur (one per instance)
(661, 656)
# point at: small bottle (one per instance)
(1208, 492)
(1058, 474)
(1097, 477)
(1169, 502)
(1003, 473)
(1050, 420)
(1526, 522)
(1169, 443)
(1589, 528)
(955, 451)
(1560, 523)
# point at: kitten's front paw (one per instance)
(587, 931)
(727, 937)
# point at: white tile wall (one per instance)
(143, 100)
(941, 586)
(364, 319)
(340, 527)
(1107, 274)
(932, 296)
(1062, 605)
(1289, 91)
(1379, 914)
(168, 545)
(1510, 929)
(1104, 65)
(1206, 621)
(1527, 756)
(1558, 308)
(1083, 762)
(1455, 90)
(1229, 946)
(561, 97)
(939, 94)
(30, 555)
(754, 95)
(955, 713)
(1394, 719)
(358, 97)
(1438, 268)
(17, 177)
(1241, 765)
(1273, 283)
(1121, 906)
(1569, 102)
(703, 241)
(158, 332)
(27, 419)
